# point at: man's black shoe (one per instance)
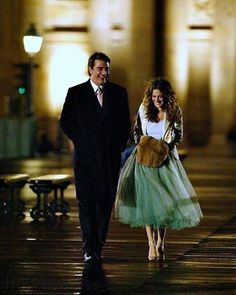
(99, 257)
(92, 258)
(88, 257)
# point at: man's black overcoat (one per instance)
(99, 134)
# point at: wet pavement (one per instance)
(45, 258)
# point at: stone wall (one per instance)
(198, 57)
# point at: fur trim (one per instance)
(151, 152)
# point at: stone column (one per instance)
(223, 82)
(198, 104)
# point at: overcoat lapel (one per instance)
(106, 100)
(91, 98)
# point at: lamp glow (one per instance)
(32, 41)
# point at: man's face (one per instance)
(100, 72)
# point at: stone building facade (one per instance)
(192, 43)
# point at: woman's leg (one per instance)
(160, 244)
(151, 243)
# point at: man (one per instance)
(95, 117)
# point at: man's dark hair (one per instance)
(97, 55)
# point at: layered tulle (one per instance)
(161, 197)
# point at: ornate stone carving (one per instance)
(201, 12)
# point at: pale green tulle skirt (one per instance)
(161, 197)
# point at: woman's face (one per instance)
(157, 98)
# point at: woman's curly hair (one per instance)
(170, 101)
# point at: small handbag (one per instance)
(151, 152)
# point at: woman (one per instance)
(162, 196)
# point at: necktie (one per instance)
(99, 94)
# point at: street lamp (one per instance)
(32, 44)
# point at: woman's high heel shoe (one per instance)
(160, 253)
(152, 252)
